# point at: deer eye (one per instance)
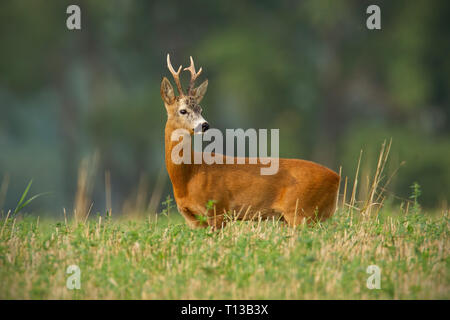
(183, 111)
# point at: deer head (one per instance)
(184, 111)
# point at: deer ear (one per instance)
(167, 93)
(200, 91)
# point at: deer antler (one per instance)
(176, 75)
(193, 75)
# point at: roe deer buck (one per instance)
(300, 190)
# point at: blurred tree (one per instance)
(310, 68)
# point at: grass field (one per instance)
(159, 257)
(164, 259)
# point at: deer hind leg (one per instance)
(328, 207)
(312, 213)
(319, 205)
(293, 217)
(291, 209)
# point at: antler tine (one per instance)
(176, 75)
(193, 75)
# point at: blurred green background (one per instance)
(310, 68)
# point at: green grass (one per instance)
(164, 259)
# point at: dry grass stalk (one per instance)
(85, 183)
(108, 192)
(157, 192)
(355, 184)
(378, 177)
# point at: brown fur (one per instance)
(303, 185)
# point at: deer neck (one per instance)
(179, 174)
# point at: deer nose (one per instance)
(205, 126)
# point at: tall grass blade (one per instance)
(24, 194)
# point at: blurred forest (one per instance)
(90, 98)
